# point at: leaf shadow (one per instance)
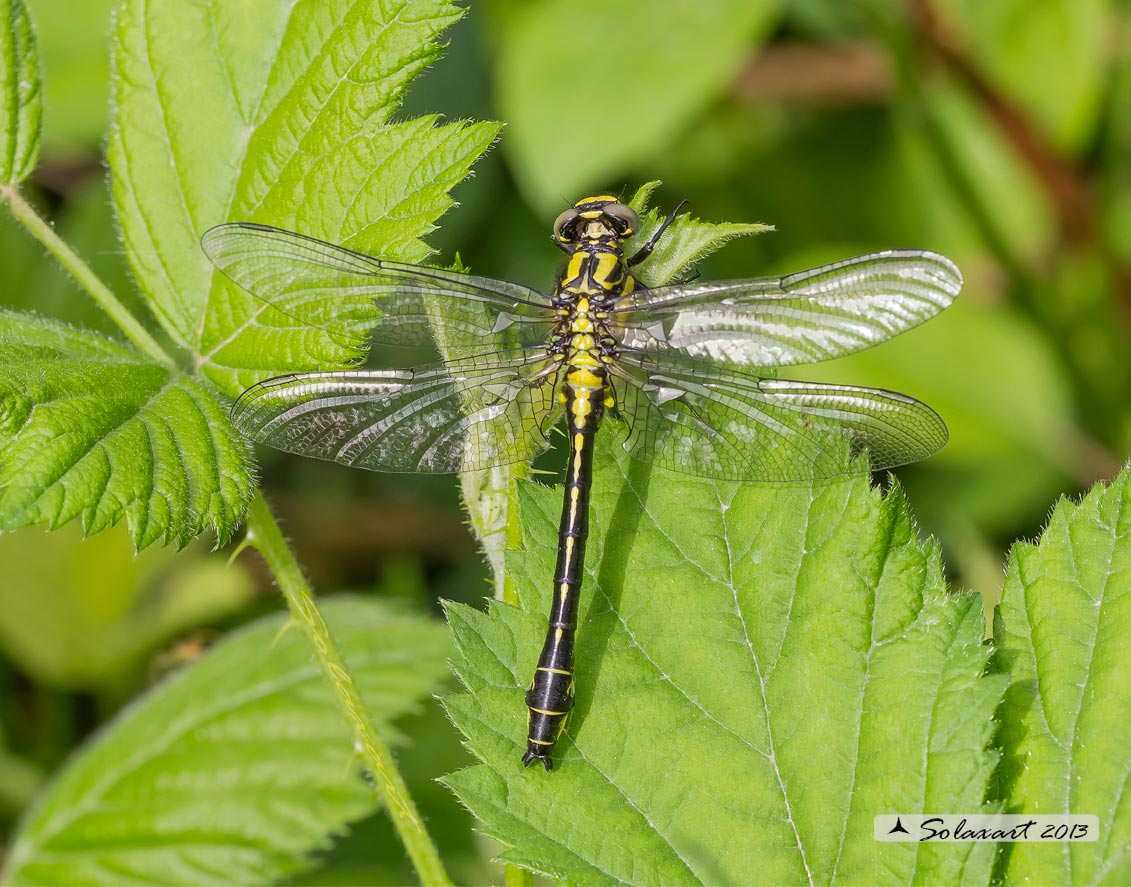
(1012, 718)
(599, 624)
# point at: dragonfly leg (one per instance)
(646, 250)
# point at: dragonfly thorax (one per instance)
(596, 269)
(582, 336)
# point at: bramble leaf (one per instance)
(21, 95)
(284, 120)
(1062, 626)
(761, 669)
(686, 241)
(90, 429)
(237, 768)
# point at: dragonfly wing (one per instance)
(440, 418)
(712, 422)
(360, 297)
(806, 317)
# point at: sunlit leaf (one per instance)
(91, 430)
(1063, 626)
(285, 119)
(761, 669)
(237, 768)
(21, 99)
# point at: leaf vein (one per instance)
(178, 728)
(771, 754)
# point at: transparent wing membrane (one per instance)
(355, 295)
(440, 418)
(806, 317)
(709, 421)
(684, 409)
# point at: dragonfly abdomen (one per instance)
(550, 697)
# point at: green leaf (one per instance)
(589, 91)
(287, 100)
(1062, 626)
(90, 429)
(293, 103)
(81, 613)
(685, 242)
(236, 769)
(761, 669)
(76, 94)
(1051, 58)
(20, 93)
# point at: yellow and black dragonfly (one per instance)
(673, 367)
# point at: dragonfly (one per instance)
(683, 371)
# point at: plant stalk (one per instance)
(43, 232)
(264, 533)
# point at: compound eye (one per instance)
(565, 225)
(625, 221)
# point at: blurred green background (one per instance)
(997, 133)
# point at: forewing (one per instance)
(360, 297)
(711, 422)
(806, 317)
(440, 418)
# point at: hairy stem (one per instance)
(265, 535)
(43, 232)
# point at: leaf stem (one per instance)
(265, 535)
(43, 232)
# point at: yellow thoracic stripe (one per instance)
(573, 269)
(606, 265)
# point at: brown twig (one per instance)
(829, 75)
(1065, 186)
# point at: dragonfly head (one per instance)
(596, 218)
